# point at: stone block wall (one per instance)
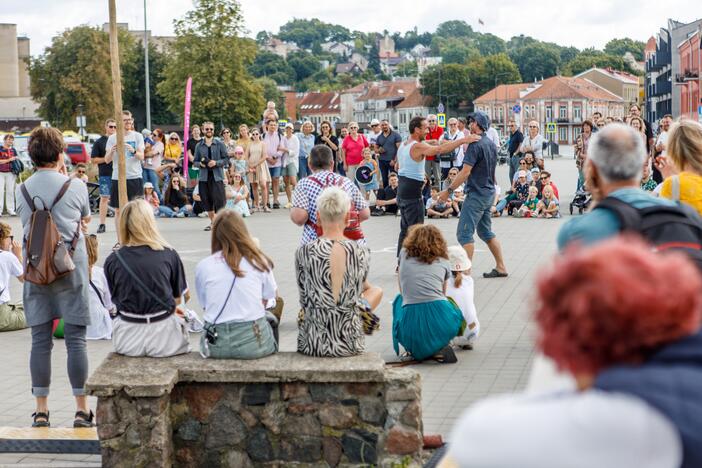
(242, 422)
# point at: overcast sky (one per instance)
(577, 23)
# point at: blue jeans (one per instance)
(475, 215)
(303, 170)
(166, 212)
(149, 175)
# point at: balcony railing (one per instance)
(687, 75)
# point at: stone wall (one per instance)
(282, 410)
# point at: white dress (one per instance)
(464, 299)
(100, 327)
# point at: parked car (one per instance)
(77, 152)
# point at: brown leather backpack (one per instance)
(47, 257)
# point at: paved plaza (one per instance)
(500, 362)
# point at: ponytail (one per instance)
(457, 279)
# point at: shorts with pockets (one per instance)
(105, 183)
(275, 171)
(290, 170)
(135, 189)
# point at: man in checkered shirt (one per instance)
(321, 163)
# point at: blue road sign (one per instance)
(517, 109)
(440, 108)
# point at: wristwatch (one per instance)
(450, 191)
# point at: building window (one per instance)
(563, 112)
(533, 111)
(576, 132)
(501, 116)
(577, 114)
(526, 112)
(562, 133)
(549, 113)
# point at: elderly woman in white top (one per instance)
(291, 162)
(233, 286)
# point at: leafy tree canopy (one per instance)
(305, 32)
(535, 61)
(619, 47)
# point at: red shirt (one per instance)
(353, 149)
(434, 135)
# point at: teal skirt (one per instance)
(424, 329)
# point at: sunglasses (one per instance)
(522, 163)
(533, 126)
(254, 134)
(173, 139)
(80, 172)
(544, 178)
(112, 126)
(432, 121)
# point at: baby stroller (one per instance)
(581, 201)
(94, 199)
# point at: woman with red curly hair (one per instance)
(624, 322)
(424, 322)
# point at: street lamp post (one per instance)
(146, 72)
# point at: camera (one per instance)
(211, 334)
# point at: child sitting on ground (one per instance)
(515, 199)
(436, 208)
(528, 208)
(460, 289)
(548, 205)
(100, 327)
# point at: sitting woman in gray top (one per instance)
(67, 296)
(332, 277)
(424, 322)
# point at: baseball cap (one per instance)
(535, 169)
(375, 122)
(481, 119)
(239, 149)
(521, 174)
(148, 185)
(458, 258)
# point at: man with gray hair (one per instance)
(616, 157)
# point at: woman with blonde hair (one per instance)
(146, 279)
(332, 277)
(259, 176)
(683, 171)
(100, 327)
(233, 286)
(424, 322)
(638, 124)
(244, 138)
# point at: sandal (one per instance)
(494, 274)
(41, 419)
(446, 356)
(208, 228)
(83, 420)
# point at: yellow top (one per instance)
(690, 189)
(172, 151)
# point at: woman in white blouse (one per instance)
(233, 286)
(291, 163)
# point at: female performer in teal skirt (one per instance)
(424, 321)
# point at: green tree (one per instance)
(73, 70)
(594, 58)
(305, 32)
(262, 37)
(303, 63)
(618, 47)
(454, 28)
(517, 42)
(209, 48)
(535, 61)
(489, 44)
(374, 59)
(407, 69)
(568, 53)
(134, 83)
(451, 81)
(486, 72)
(273, 66)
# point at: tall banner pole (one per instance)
(117, 97)
(186, 128)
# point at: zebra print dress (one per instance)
(330, 329)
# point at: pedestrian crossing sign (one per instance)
(550, 127)
(282, 123)
(442, 120)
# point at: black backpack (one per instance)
(446, 157)
(677, 227)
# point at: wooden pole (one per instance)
(117, 97)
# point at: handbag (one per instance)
(370, 322)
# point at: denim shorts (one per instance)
(275, 171)
(240, 340)
(475, 215)
(105, 185)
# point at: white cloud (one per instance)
(581, 24)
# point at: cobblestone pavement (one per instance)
(500, 362)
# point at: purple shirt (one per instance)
(271, 142)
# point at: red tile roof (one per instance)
(502, 92)
(361, 88)
(415, 99)
(650, 45)
(389, 90)
(320, 103)
(561, 87)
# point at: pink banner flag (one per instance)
(186, 128)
